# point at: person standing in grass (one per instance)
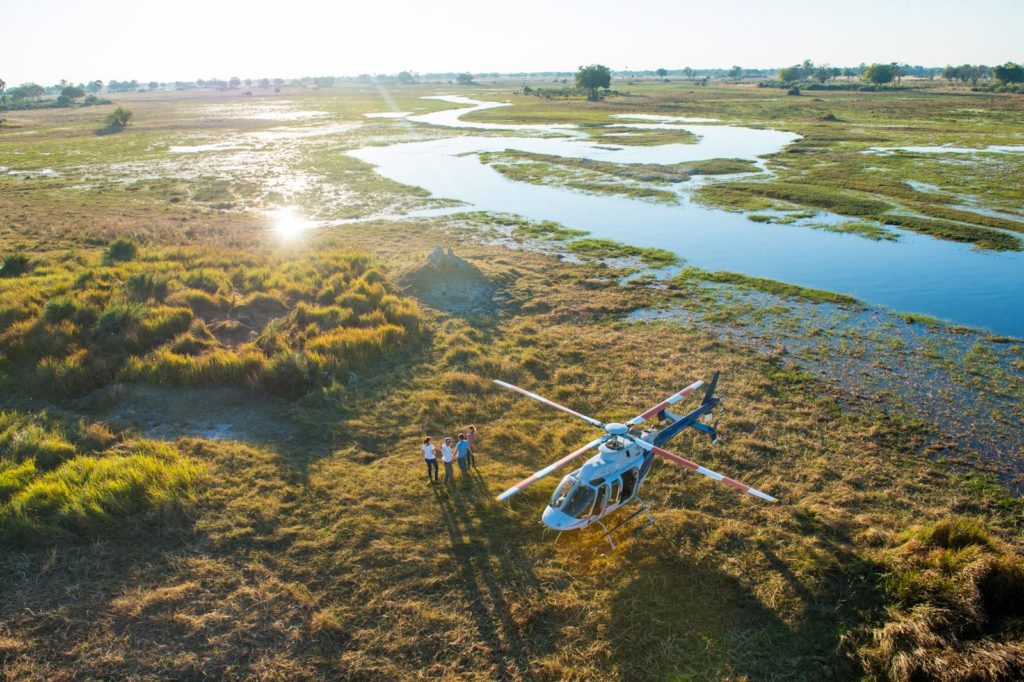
(446, 457)
(431, 458)
(471, 439)
(462, 449)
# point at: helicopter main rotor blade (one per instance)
(711, 474)
(530, 480)
(550, 403)
(664, 404)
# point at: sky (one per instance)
(46, 40)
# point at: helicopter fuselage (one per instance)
(613, 476)
(605, 482)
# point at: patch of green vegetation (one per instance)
(163, 317)
(639, 137)
(767, 285)
(546, 230)
(638, 181)
(957, 592)
(52, 489)
(606, 248)
(861, 229)
(981, 237)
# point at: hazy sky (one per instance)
(46, 40)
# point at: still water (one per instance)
(916, 274)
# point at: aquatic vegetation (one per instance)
(767, 285)
(606, 248)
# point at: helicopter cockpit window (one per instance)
(562, 491)
(580, 500)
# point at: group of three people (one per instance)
(463, 452)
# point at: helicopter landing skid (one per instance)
(644, 509)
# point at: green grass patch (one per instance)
(767, 285)
(606, 248)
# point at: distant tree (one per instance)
(880, 74)
(688, 73)
(118, 118)
(3, 91)
(264, 82)
(26, 91)
(593, 77)
(323, 81)
(850, 72)
(464, 79)
(94, 86)
(661, 73)
(278, 82)
(791, 73)
(406, 78)
(1008, 73)
(951, 73)
(248, 82)
(235, 81)
(824, 73)
(200, 83)
(153, 85)
(73, 92)
(735, 72)
(898, 71)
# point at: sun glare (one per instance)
(289, 224)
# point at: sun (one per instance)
(289, 224)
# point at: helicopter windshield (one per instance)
(580, 500)
(562, 491)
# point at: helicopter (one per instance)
(625, 452)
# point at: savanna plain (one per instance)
(222, 342)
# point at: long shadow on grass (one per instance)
(690, 619)
(491, 572)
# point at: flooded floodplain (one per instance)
(915, 273)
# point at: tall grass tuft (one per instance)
(956, 609)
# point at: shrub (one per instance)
(143, 286)
(122, 249)
(118, 118)
(288, 375)
(15, 264)
(204, 280)
(119, 318)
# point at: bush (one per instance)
(143, 286)
(15, 264)
(118, 118)
(122, 249)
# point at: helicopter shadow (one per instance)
(685, 618)
(493, 573)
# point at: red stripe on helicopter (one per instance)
(671, 400)
(533, 478)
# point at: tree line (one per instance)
(893, 72)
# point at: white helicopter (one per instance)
(613, 476)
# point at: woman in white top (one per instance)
(446, 457)
(428, 455)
